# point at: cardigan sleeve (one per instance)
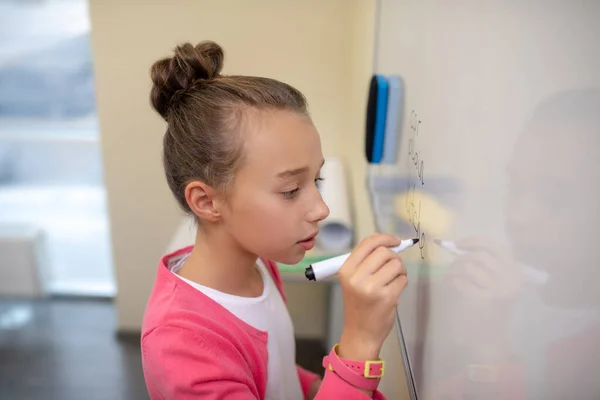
(183, 365)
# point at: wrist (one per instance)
(357, 347)
(364, 375)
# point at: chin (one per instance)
(290, 258)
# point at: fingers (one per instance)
(396, 287)
(391, 270)
(367, 246)
(376, 260)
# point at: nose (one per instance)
(319, 211)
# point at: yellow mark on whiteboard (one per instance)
(417, 207)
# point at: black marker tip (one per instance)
(310, 274)
(415, 241)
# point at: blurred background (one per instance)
(85, 212)
(52, 192)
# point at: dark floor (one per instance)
(67, 350)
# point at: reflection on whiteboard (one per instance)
(500, 161)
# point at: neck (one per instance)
(219, 262)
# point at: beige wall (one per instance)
(305, 43)
(322, 47)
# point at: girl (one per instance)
(242, 155)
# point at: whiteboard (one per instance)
(499, 154)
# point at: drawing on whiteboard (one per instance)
(415, 161)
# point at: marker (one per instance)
(532, 275)
(323, 269)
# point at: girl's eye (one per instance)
(291, 193)
(318, 182)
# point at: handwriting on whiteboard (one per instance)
(415, 165)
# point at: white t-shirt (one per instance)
(267, 313)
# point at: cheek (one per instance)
(263, 217)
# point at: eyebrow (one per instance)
(295, 172)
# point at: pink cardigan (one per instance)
(193, 348)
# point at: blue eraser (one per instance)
(380, 117)
(393, 123)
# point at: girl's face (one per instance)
(275, 205)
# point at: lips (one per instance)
(309, 242)
(309, 238)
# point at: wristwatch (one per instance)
(362, 374)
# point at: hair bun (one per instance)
(173, 75)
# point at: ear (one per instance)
(201, 199)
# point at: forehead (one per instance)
(277, 140)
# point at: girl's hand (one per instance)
(371, 279)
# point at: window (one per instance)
(50, 160)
